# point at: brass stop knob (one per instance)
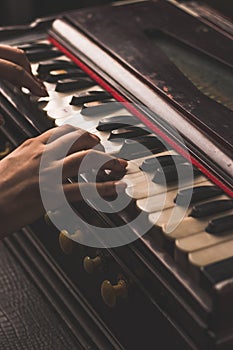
(110, 293)
(65, 242)
(6, 150)
(91, 264)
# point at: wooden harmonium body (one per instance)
(153, 80)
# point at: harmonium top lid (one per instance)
(172, 66)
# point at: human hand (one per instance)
(15, 68)
(21, 175)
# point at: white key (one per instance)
(201, 240)
(77, 120)
(59, 105)
(190, 225)
(163, 196)
(211, 254)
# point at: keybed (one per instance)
(77, 100)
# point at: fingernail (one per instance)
(120, 186)
(44, 91)
(96, 137)
(38, 80)
(123, 162)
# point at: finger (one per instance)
(74, 192)
(49, 136)
(89, 160)
(18, 76)
(55, 133)
(39, 81)
(75, 141)
(15, 55)
(18, 57)
(109, 175)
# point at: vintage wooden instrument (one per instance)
(156, 74)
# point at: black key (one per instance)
(69, 85)
(206, 209)
(97, 109)
(42, 54)
(141, 147)
(170, 173)
(35, 46)
(45, 67)
(199, 193)
(151, 164)
(111, 123)
(128, 133)
(91, 96)
(56, 75)
(220, 225)
(217, 272)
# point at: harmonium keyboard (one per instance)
(153, 79)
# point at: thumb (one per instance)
(74, 191)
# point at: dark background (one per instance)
(23, 11)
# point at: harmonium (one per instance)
(154, 80)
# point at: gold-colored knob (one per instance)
(6, 151)
(110, 292)
(65, 242)
(90, 265)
